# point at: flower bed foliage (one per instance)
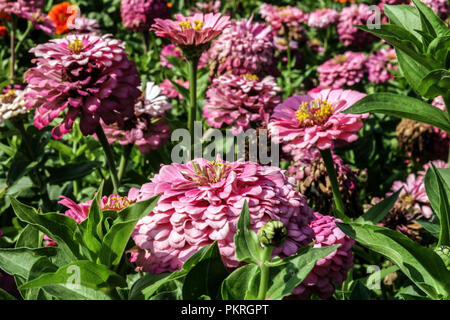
(350, 97)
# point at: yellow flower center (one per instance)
(212, 172)
(76, 46)
(316, 112)
(186, 24)
(339, 59)
(250, 76)
(118, 203)
(9, 96)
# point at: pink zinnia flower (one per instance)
(244, 47)
(354, 15)
(170, 50)
(207, 7)
(169, 90)
(316, 120)
(331, 270)
(18, 6)
(88, 75)
(279, 16)
(346, 69)
(201, 202)
(84, 25)
(194, 31)
(380, 64)
(139, 15)
(239, 100)
(322, 18)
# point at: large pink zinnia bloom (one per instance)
(139, 15)
(285, 15)
(344, 69)
(196, 30)
(240, 100)
(201, 202)
(331, 270)
(350, 16)
(244, 47)
(88, 75)
(316, 120)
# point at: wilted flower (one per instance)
(322, 18)
(344, 69)
(84, 25)
(63, 15)
(380, 65)
(350, 16)
(316, 120)
(285, 15)
(240, 100)
(201, 202)
(311, 176)
(244, 47)
(139, 15)
(332, 270)
(169, 90)
(89, 75)
(12, 104)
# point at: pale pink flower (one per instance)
(139, 15)
(83, 25)
(316, 120)
(170, 50)
(201, 202)
(322, 18)
(285, 15)
(381, 64)
(346, 69)
(240, 100)
(169, 90)
(207, 6)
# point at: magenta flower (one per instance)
(244, 47)
(380, 65)
(83, 25)
(169, 90)
(88, 75)
(240, 100)
(201, 202)
(346, 69)
(350, 16)
(139, 15)
(194, 31)
(40, 21)
(331, 270)
(316, 120)
(279, 16)
(18, 6)
(322, 18)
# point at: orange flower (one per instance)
(63, 14)
(3, 30)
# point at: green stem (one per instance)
(192, 115)
(109, 158)
(24, 36)
(447, 106)
(12, 46)
(289, 59)
(145, 41)
(329, 164)
(124, 161)
(264, 281)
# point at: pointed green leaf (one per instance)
(432, 19)
(380, 210)
(239, 284)
(248, 248)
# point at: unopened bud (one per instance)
(273, 233)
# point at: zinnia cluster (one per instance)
(201, 202)
(29, 10)
(88, 75)
(332, 270)
(344, 69)
(244, 47)
(322, 18)
(350, 16)
(238, 100)
(285, 15)
(139, 15)
(144, 129)
(316, 119)
(380, 65)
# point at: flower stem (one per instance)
(124, 161)
(24, 36)
(12, 46)
(109, 157)
(447, 106)
(329, 164)
(145, 41)
(288, 52)
(264, 281)
(192, 111)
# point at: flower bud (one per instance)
(273, 233)
(444, 253)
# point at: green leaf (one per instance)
(30, 237)
(205, 278)
(412, 70)
(402, 107)
(182, 90)
(116, 239)
(80, 280)
(380, 210)
(404, 16)
(56, 226)
(435, 83)
(72, 171)
(424, 267)
(439, 195)
(142, 283)
(432, 19)
(248, 248)
(18, 261)
(91, 228)
(240, 282)
(439, 49)
(360, 292)
(284, 279)
(6, 296)
(433, 228)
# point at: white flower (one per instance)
(12, 104)
(154, 102)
